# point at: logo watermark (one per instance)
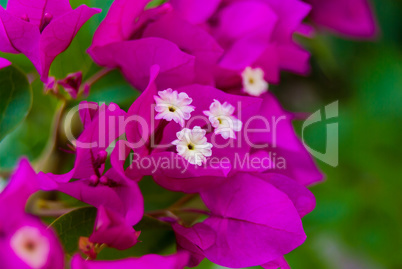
(257, 146)
(331, 154)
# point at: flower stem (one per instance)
(182, 201)
(43, 161)
(193, 210)
(97, 76)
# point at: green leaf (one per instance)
(71, 226)
(155, 3)
(15, 99)
(31, 137)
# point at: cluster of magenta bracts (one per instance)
(204, 69)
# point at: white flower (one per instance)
(253, 81)
(172, 105)
(31, 246)
(222, 119)
(192, 145)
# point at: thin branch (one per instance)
(182, 201)
(51, 145)
(193, 210)
(97, 76)
(53, 212)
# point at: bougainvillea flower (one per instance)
(101, 128)
(150, 261)
(134, 40)
(256, 34)
(182, 157)
(301, 197)
(353, 18)
(25, 242)
(4, 63)
(135, 56)
(173, 106)
(192, 40)
(41, 29)
(110, 190)
(96, 186)
(111, 229)
(251, 223)
(72, 84)
(254, 83)
(195, 11)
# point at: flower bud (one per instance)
(94, 180)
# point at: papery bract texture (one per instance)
(158, 36)
(25, 242)
(253, 34)
(283, 141)
(111, 229)
(41, 29)
(253, 221)
(195, 11)
(178, 174)
(4, 63)
(352, 18)
(95, 186)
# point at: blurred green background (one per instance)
(358, 219)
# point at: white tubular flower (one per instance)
(31, 246)
(172, 105)
(222, 119)
(192, 145)
(253, 81)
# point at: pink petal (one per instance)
(125, 199)
(22, 185)
(136, 57)
(244, 18)
(190, 39)
(353, 18)
(258, 224)
(302, 198)
(119, 22)
(183, 176)
(4, 63)
(23, 36)
(112, 230)
(138, 131)
(254, 223)
(290, 13)
(58, 35)
(35, 10)
(201, 237)
(5, 43)
(285, 143)
(294, 58)
(196, 11)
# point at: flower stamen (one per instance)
(253, 81)
(192, 145)
(172, 105)
(31, 246)
(222, 119)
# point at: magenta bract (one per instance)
(25, 242)
(41, 29)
